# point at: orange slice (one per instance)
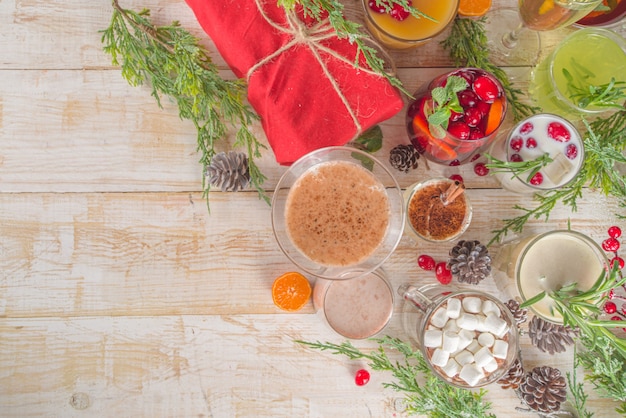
(291, 291)
(474, 8)
(494, 117)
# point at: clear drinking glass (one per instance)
(338, 213)
(400, 30)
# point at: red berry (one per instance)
(473, 116)
(467, 98)
(481, 169)
(516, 158)
(454, 163)
(610, 307)
(399, 13)
(467, 75)
(443, 274)
(558, 132)
(459, 129)
(475, 157)
(476, 133)
(426, 262)
(378, 9)
(516, 143)
(531, 143)
(615, 232)
(610, 244)
(526, 128)
(571, 151)
(362, 377)
(454, 116)
(483, 107)
(456, 177)
(618, 260)
(616, 318)
(537, 179)
(485, 88)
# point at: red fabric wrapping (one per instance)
(297, 98)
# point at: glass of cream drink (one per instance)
(548, 262)
(338, 213)
(357, 308)
(533, 137)
(398, 29)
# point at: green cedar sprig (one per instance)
(434, 398)
(467, 46)
(577, 395)
(172, 62)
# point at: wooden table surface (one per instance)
(120, 295)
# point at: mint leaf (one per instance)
(371, 140)
(440, 95)
(445, 101)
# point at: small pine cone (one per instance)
(544, 389)
(520, 315)
(513, 377)
(229, 171)
(550, 337)
(404, 157)
(470, 261)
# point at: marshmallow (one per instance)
(480, 326)
(451, 368)
(472, 304)
(451, 326)
(486, 339)
(464, 357)
(471, 374)
(433, 338)
(500, 349)
(440, 357)
(490, 307)
(474, 346)
(467, 321)
(465, 338)
(454, 308)
(495, 325)
(482, 357)
(450, 341)
(439, 318)
(491, 366)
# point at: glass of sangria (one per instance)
(396, 28)
(468, 118)
(613, 14)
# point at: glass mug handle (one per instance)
(413, 295)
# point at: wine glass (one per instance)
(522, 44)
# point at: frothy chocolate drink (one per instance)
(337, 213)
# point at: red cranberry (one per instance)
(537, 179)
(571, 151)
(558, 132)
(476, 133)
(516, 158)
(616, 318)
(454, 163)
(362, 377)
(619, 261)
(467, 75)
(531, 143)
(481, 169)
(486, 88)
(400, 13)
(615, 232)
(483, 107)
(610, 307)
(456, 177)
(475, 157)
(467, 98)
(454, 116)
(426, 262)
(516, 143)
(443, 274)
(459, 129)
(610, 245)
(473, 116)
(378, 9)
(526, 128)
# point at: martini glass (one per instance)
(514, 32)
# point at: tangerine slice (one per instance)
(494, 117)
(474, 8)
(291, 291)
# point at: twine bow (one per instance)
(310, 37)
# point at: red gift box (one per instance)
(301, 78)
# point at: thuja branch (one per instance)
(174, 64)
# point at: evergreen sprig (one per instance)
(174, 64)
(518, 168)
(434, 398)
(467, 45)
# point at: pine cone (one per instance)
(520, 315)
(404, 157)
(470, 261)
(544, 389)
(513, 377)
(550, 337)
(229, 171)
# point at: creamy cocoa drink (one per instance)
(355, 308)
(337, 213)
(557, 259)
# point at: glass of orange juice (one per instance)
(398, 29)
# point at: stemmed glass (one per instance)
(522, 44)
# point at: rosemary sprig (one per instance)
(435, 398)
(467, 46)
(610, 95)
(172, 62)
(518, 168)
(346, 29)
